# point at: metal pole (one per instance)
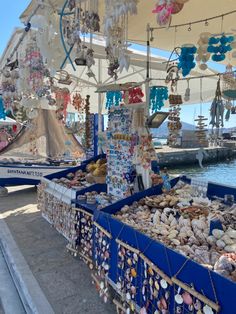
(148, 72)
(99, 99)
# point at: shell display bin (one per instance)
(67, 194)
(150, 277)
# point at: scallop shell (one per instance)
(221, 244)
(227, 239)
(211, 240)
(231, 233)
(207, 310)
(217, 233)
(230, 248)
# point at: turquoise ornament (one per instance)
(186, 59)
(2, 109)
(158, 94)
(113, 98)
(219, 46)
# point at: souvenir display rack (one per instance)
(158, 277)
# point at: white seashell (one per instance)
(128, 296)
(230, 248)
(227, 239)
(211, 240)
(178, 299)
(173, 222)
(221, 244)
(231, 233)
(164, 284)
(175, 242)
(217, 233)
(156, 217)
(164, 218)
(207, 310)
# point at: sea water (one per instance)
(221, 173)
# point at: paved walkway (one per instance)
(65, 281)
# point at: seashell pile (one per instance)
(183, 222)
(101, 200)
(82, 179)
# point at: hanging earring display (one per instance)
(133, 96)
(102, 256)
(219, 46)
(113, 98)
(158, 95)
(188, 300)
(156, 287)
(127, 273)
(186, 59)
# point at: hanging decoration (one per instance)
(165, 8)
(133, 95)
(186, 59)
(201, 126)
(62, 97)
(2, 109)
(77, 21)
(187, 93)
(10, 94)
(37, 72)
(102, 257)
(115, 31)
(218, 46)
(158, 95)
(113, 98)
(78, 103)
(187, 300)
(202, 52)
(217, 109)
(229, 83)
(174, 124)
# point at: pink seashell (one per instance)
(187, 298)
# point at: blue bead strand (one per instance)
(158, 94)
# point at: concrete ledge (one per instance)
(28, 288)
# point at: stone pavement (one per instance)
(65, 281)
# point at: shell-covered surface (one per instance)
(183, 221)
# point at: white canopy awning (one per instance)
(193, 10)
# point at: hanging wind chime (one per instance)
(201, 125)
(174, 124)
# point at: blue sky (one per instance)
(9, 19)
(10, 11)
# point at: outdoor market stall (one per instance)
(163, 247)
